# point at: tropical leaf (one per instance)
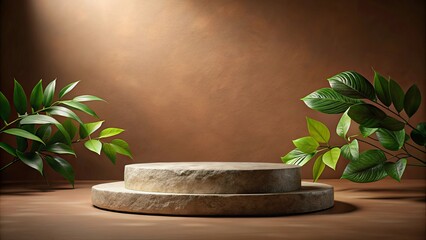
(318, 130)
(326, 100)
(38, 119)
(5, 107)
(94, 146)
(49, 92)
(392, 140)
(352, 84)
(297, 157)
(369, 167)
(62, 167)
(318, 168)
(19, 98)
(397, 95)
(60, 148)
(412, 100)
(350, 151)
(32, 160)
(343, 125)
(109, 151)
(109, 132)
(9, 149)
(367, 131)
(331, 157)
(86, 98)
(70, 128)
(419, 134)
(306, 144)
(22, 133)
(67, 89)
(64, 112)
(121, 147)
(36, 98)
(367, 115)
(392, 124)
(381, 86)
(92, 127)
(396, 170)
(80, 106)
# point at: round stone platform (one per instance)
(311, 197)
(212, 177)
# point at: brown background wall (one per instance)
(206, 80)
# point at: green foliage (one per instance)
(326, 100)
(412, 100)
(306, 144)
(376, 108)
(41, 137)
(352, 84)
(318, 130)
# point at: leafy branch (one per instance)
(353, 96)
(42, 138)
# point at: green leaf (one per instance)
(62, 167)
(318, 130)
(419, 134)
(83, 132)
(70, 128)
(352, 84)
(350, 151)
(412, 100)
(122, 147)
(369, 167)
(396, 170)
(392, 124)
(22, 133)
(33, 160)
(81, 107)
(109, 151)
(9, 149)
(67, 89)
(44, 119)
(367, 131)
(330, 158)
(297, 157)
(318, 168)
(64, 112)
(94, 146)
(38, 119)
(367, 115)
(109, 132)
(343, 125)
(43, 132)
(397, 95)
(4, 107)
(19, 98)
(92, 127)
(60, 148)
(326, 100)
(86, 98)
(392, 140)
(381, 86)
(49, 92)
(306, 144)
(36, 98)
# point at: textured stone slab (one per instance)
(311, 197)
(212, 177)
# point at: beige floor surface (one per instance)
(382, 210)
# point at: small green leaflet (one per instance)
(297, 157)
(318, 130)
(306, 144)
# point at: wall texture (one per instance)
(205, 80)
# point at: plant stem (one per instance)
(415, 165)
(375, 146)
(409, 144)
(412, 156)
(397, 114)
(9, 164)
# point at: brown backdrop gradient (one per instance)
(205, 80)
